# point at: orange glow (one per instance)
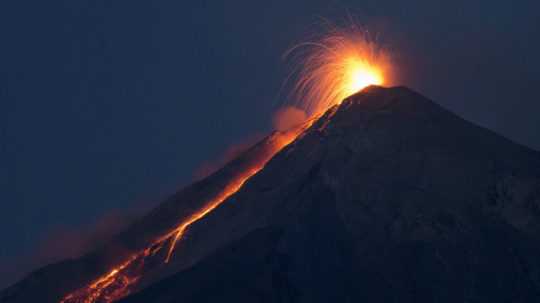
(341, 63)
(232, 188)
(284, 139)
(120, 280)
(115, 284)
(359, 74)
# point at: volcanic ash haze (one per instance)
(387, 197)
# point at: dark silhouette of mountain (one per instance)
(386, 198)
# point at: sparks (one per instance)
(341, 63)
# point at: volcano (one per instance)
(387, 197)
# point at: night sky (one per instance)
(108, 106)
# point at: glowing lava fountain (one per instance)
(338, 66)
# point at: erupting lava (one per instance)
(338, 66)
(341, 63)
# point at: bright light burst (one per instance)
(341, 63)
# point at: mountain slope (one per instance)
(51, 283)
(387, 198)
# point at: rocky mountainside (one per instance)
(386, 198)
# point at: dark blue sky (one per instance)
(106, 106)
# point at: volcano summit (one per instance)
(386, 197)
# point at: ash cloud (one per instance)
(209, 167)
(66, 242)
(285, 118)
(288, 117)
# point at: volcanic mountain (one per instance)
(386, 197)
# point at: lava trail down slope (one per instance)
(118, 272)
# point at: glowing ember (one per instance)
(340, 64)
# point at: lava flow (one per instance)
(119, 281)
(338, 66)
